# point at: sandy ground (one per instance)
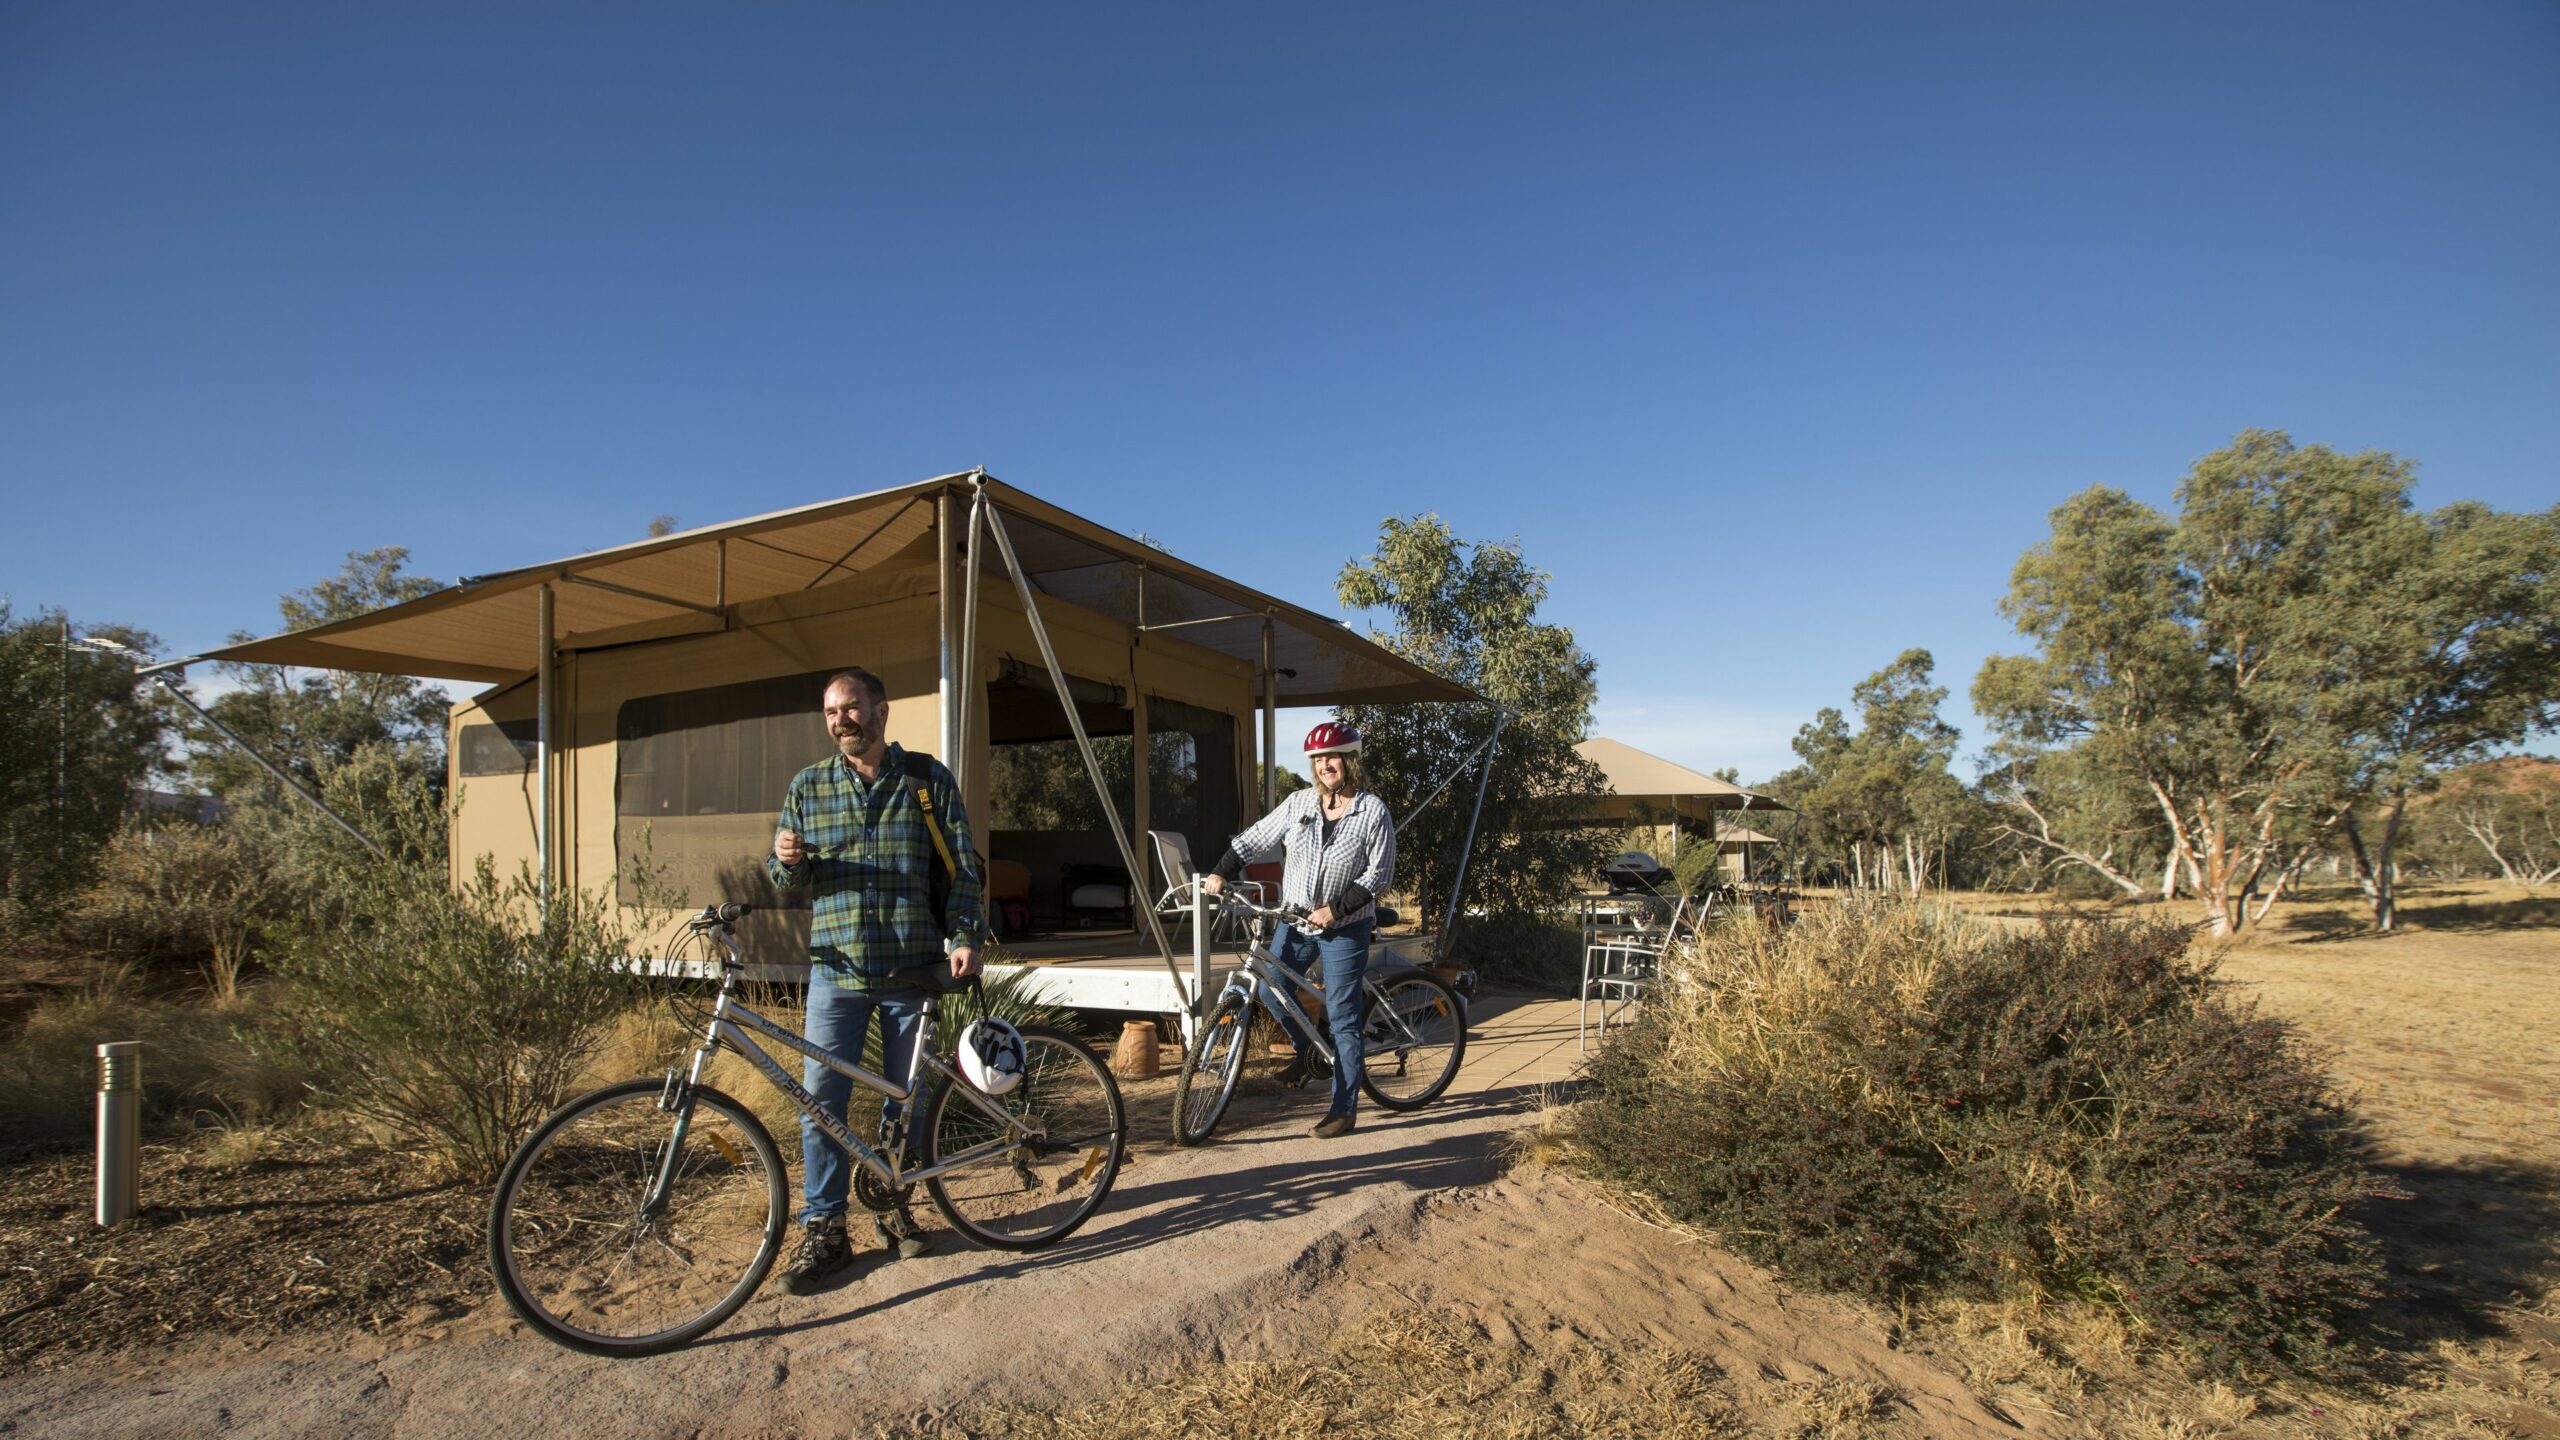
(1263, 1242)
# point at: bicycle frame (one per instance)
(1267, 982)
(731, 1019)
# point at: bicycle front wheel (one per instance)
(583, 1257)
(1412, 1041)
(1211, 1068)
(1036, 1162)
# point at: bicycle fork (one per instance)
(676, 1098)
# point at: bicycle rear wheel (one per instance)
(580, 1257)
(1211, 1068)
(1412, 1041)
(1049, 1160)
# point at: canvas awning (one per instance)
(487, 628)
(1636, 776)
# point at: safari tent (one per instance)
(1647, 790)
(662, 693)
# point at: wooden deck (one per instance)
(1122, 969)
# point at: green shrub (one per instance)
(1530, 951)
(173, 890)
(453, 1017)
(1904, 1105)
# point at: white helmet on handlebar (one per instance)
(992, 1055)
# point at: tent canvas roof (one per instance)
(485, 628)
(1635, 775)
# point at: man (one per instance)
(854, 834)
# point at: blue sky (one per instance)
(1772, 332)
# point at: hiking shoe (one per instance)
(1331, 1126)
(902, 1240)
(1303, 1069)
(823, 1252)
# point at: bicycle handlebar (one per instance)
(725, 913)
(1233, 901)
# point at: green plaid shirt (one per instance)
(868, 864)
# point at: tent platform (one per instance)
(1102, 970)
(1121, 969)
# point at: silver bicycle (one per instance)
(640, 1215)
(1413, 1036)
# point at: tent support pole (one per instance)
(945, 615)
(287, 781)
(1451, 778)
(1458, 887)
(1270, 719)
(1084, 747)
(960, 751)
(546, 812)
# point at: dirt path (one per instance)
(1262, 1243)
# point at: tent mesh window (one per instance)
(700, 774)
(1191, 775)
(504, 748)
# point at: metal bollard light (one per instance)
(119, 1128)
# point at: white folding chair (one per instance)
(1173, 857)
(1617, 969)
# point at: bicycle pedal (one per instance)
(902, 1239)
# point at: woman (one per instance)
(1338, 855)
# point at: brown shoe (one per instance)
(1331, 1126)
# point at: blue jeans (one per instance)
(838, 1018)
(1345, 954)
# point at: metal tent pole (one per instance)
(1449, 779)
(960, 751)
(287, 781)
(1270, 719)
(945, 615)
(546, 812)
(1492, 748)
(1084, 747)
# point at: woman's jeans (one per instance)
(1345, 954)
(838, 1017)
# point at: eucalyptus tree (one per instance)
(1881, 797)
(2456, 652)
(1468, 610)
(77, 735)
(2504, 812)
(2285, 645)
(2063, 813)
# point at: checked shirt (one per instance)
(868, 866)
(1313, 872)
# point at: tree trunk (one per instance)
(2482, 827)
(2376, 874)
(2386, 906)
(2215, 887)
(2099, 864)
(2169, 877)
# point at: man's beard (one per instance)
(853, 740)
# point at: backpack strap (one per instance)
(919, 775)
(938, 881)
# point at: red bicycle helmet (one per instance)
(1333, 737)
